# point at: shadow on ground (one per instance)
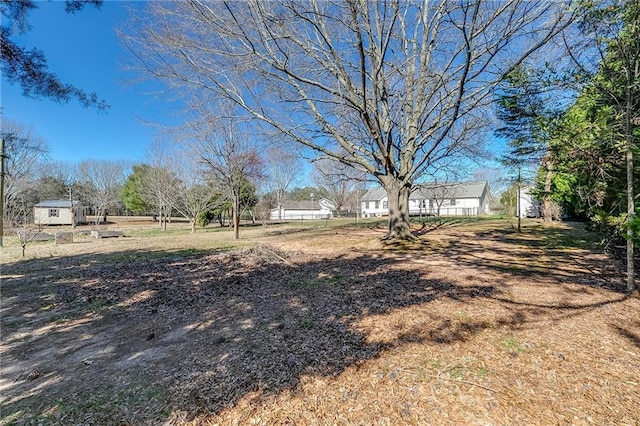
(135, 336)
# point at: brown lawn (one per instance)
(475, 324)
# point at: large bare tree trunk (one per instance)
(398, 195)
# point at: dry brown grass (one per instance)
(473, 324)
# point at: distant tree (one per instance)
(509, 200)
(441, 194)
(27, 231)
(528, 117)
(495, 178)
(337, 182)
(29, 68)
(265, 204)
(231, 161)
(132, 196)
(283, 168)
(157, 187)
(102, 182)
(194, 194)
(248, 198)
(23, 152)
(304, 193)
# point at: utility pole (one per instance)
(1, 190)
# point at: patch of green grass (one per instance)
(512, 345)
(10, 325)
(102, 405)
(482, 371)
(97, 304)
(321, 279)
(457, 371)
(306, 322)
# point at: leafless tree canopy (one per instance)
(230, 160)
(340, 183)
(283, 169)
(102, 182)
(388, 87)
(24, 151)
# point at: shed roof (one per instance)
(60, 204)
(473, 189)
(450, 190)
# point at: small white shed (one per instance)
(321, 209)
(529, 205)
(59, 212)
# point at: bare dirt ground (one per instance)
(474, 324)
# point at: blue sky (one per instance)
(83, 49)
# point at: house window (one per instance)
(377, 205)
(366, 205)
(385, 204)
(453, 202)
(53, 213)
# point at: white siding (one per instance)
(300, 214)
(375, 208)
(41, 215)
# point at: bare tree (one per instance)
(232, 162)
(441, 194)
(195, 194)
(337, 181)
(283, 169)
(157, 182)
(158, 185)
(388, 87)
(26, 231)
(22, 152)
(102, 182)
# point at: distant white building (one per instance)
(529, 205)
(321, 209)
(59, 212)
(440, 199)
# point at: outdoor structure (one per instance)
(434, 199)
(59, 212)
(529, 205)
(321, 209)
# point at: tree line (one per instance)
(578, 126)
(220, 180)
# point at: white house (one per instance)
(446, 199)
(529, 205)
(321, 209)
(59, 212)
